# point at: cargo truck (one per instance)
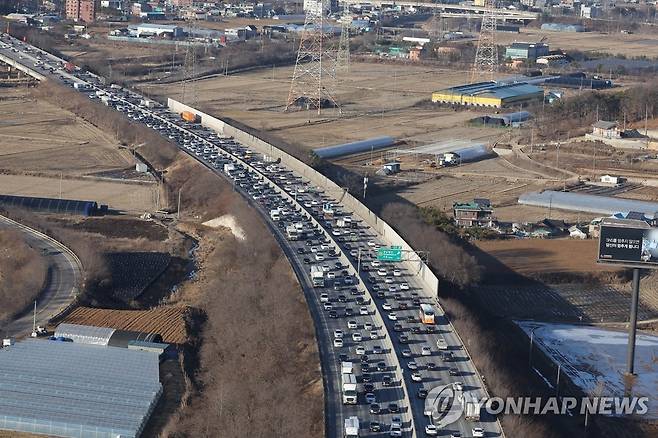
(317, 276)
(346, 367)
(292, 233)
(189, 116)
(228, 168)
(351, 427)
(349, 388)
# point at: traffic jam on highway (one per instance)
(387, 340)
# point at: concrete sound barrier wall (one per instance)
(411, 260)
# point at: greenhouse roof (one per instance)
(587, 203)
(77, 390)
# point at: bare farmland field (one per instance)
(377, 99)
(637, 44)
(47, 151)
(36, 136)
(169, 321)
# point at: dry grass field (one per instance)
(615, 43)
(376, 99)
(169, 321)
(533, 256)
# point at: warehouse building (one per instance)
(530, 51)
(490, 94)
(77, 390)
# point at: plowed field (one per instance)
(168, 321)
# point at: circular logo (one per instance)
(444, 405)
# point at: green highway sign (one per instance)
(390, 254)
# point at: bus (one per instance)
(426, 314)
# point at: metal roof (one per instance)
(586, 203)
(77, 390)
(502, 90)
(85, 334)
(604, 124)
(72, 206)
(354, 147)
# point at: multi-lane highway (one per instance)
(366, 312)
(64, 275)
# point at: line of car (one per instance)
(391, 290)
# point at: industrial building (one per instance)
(53, 205)
(77, 390)
(508, 119)
(490, 94)
(145, 30)
(529, 51)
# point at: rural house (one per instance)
(477, 213)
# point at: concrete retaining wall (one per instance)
(412, 262)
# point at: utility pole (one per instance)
(633, 322)
(178, 209)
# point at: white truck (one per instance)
(346, 368)
(228, 168)
(317, 276)
(292, 232)
(351, 427)
(472, 411)
(349, 388)
(328, 210)
(344, 222)
(275, 214)
(441, 343)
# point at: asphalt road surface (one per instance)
(64, 273)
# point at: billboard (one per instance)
(630, 242)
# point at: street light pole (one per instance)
(178, 209)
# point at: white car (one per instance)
(393, 316)
(360, 349)
(381, 272)
(363, 310)
(406, 353)
(427, 351)
(331, 275)
(392, 289)
(319, 257)
(324, 298)
(413, 366)
(477, 432)
(396, 422)
(354, 253)
(376, 349)
(431, 430)
(338, 333)
(367, 326)
(370, 398)
(338, 342)
(371, 243)
(356, 337)
(374, 335)
(416, 377)
(328, 307)
(387, 306)
(404, 286)
(388, 280)
(351, 324)
(397, 272)
(395, 431)
(375, 264)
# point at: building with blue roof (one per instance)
(490, 94)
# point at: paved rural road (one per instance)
(64, 273)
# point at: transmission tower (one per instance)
(188, 90)
(486, 56)
(314, 77)
(343, 55)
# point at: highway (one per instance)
(64, 275)
(390, 297)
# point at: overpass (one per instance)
(452, 10)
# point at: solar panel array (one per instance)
(77, 390)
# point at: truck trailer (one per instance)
(317, 276)
(349, 388)
(351, 429)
